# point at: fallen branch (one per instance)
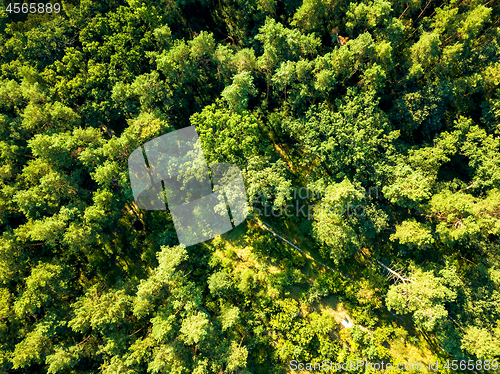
(397, 275)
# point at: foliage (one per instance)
(380, 118)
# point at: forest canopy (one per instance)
(383, 115)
